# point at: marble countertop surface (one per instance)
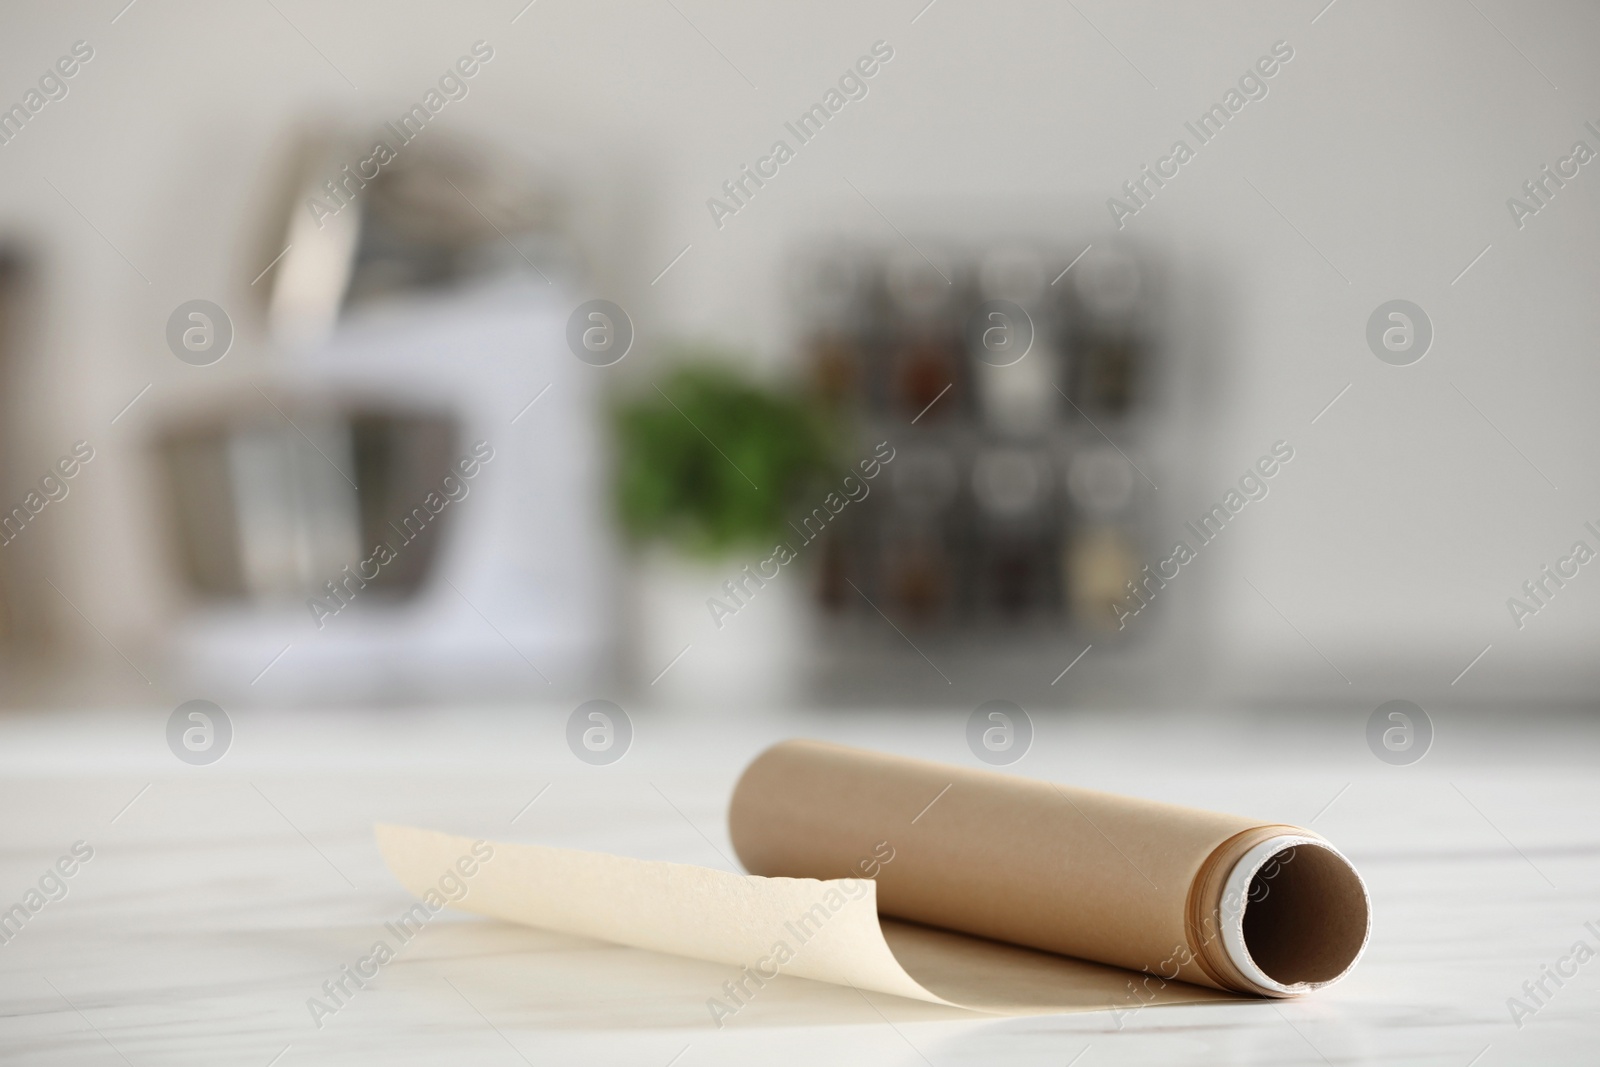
(219, 898)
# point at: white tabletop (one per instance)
(220, 899)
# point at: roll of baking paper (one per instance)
(1022, 896)
(1215, 900)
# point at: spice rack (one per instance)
(1017, 386)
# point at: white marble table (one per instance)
(222, 897)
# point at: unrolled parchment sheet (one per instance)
(938, 883)
(827, 929)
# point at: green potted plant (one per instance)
(709, 467)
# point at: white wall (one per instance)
(1390, 144)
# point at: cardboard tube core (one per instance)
(1295, 915)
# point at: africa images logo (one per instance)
(852, 86)
(1252, 85)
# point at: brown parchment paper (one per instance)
(939, 883)
(1072, 871)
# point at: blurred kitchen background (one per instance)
(580, 407)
